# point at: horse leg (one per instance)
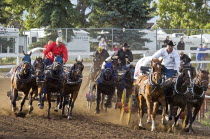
(23, 101)
(189, 114)
(15, 95)
(141, 111)
(155, 106)
(102, 101)
(75, 94)
(170, 111)
(42, 91)
(163, 104)
(119, 96)
(49, 104)
(149, 108)
(98, 99)
(64, 104)
(176, 117)
(31, 98)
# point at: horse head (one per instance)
(186, 76)
(26, 64)
(96, 63)
(77, 68)
(203, 79)
(156, 76)
(38, 66)
(57, 66)
(129, 75)
(108, 72)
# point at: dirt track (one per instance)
(84, 124)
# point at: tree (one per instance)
(129, 14)
(183, 14)
(120, 14)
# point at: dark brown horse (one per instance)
(22, 80)
(179, 93)
(72, 87)
(149, 89)
(54, 82)
(38, 67)
(200, 86)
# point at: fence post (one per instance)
(18, 59)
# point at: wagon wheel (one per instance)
(123, 105)
(92, 93)
(128, 117)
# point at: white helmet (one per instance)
(59, 39)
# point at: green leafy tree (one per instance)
(129, 14)
(120, 14)
(183, 14)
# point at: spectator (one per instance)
(166, 41)
(185, 60)
(181, 45)
(103, 44)
(204, 57)
(199, 56)
(116, 47)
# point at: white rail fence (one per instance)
(135, 52)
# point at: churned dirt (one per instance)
(84, 124)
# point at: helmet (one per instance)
(100, 48)
(181, 53)
(59, 39)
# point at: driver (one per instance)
(124, 56)
(55, 48)
(101, 54)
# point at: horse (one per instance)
(149, 89)
(105, 85)
(72, 87)
(94, 71)
(126, 82)
(38, 67)
(179, 93)
(22, 80)
(54, 81)
(199, 88)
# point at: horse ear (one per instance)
(76, 59)
(30, 53)
(24, 53)
(82, 60)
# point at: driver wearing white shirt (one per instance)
(171, 59)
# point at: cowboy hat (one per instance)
(170, 43)
(126, 45)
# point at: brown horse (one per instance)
(22, 80)
(179, 94)
(72, 87)
(54, 82)
(200, 86)
(38, 67)
(149, 89)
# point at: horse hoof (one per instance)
(41, 107)
(14, 109)
(141, 128)
(69, 117)
(97, 111)
(191, 131)
(31, 108)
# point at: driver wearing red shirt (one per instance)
(56, 48)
